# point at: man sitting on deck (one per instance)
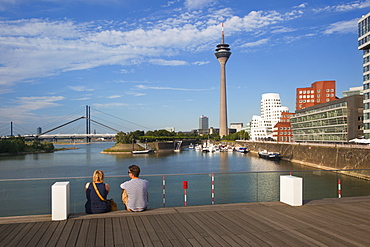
(135, 191)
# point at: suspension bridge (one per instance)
(88, 134)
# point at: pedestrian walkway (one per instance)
(327, 222)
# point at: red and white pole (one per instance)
(164, 191)
(185, 187)
(339, 189)
(213, 188)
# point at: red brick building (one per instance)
(319, 92)
(282, 131)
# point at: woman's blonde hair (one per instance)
(98, 176)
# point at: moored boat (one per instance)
(242, 150)
(269, 155)
(140, 151)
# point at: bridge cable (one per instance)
(121, 119)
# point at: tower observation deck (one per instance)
(222, 54)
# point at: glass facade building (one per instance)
(364, 45)
(335, 121)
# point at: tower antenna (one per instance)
(223, 35)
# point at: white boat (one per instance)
(269, 155)
(140, 151)
(191, 146)
(242, 150)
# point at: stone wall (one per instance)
(317, 156)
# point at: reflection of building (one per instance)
(271, 109)
(319, 92)
(335, 121)
(203, 125)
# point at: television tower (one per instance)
(223, 53)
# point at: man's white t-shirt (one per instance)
(137, 190)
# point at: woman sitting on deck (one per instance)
(94, 204)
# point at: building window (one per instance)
(327, 100)
(318, 96)
(318, 100)
(318, 90)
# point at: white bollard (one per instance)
(291, 190)
(60, 201)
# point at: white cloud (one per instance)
(168, 62)
(109, 105)
(342, 27)
(201, 62)
(345, 7)
(135, 94)
(256, 43)
(35, 48)
(23, 107)
(197, 4)
(80, 88)
(170, 88)
(114, 96)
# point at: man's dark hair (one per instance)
(135, 170)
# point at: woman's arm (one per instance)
(87, 186)
(107, 187)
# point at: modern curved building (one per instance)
(271, 109)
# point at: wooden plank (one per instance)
(83, 233)
(65, 234)
(159, 231)
(108, 232)
(45, 238)
(9, 233)
(23, 231)
(144, 236)
(91, 236)
(136, 240)
(174, 228)
(100, 235)
(4, 231)
(191, 228)
(39, 234)
(74, 233)
(324, 239)
(207, 226)
(35, 227)
(125, 231)
(117, 232)
(54, 238)
(151, 231)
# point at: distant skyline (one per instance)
(151, 63)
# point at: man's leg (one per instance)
(125, 199)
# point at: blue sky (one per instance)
(148, 65)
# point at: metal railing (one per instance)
(33, 196)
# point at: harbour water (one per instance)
(26, 180)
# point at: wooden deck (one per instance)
(328, 222)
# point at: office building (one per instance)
(282, 131)
(364, 45)
(335, 121)
(237, 126)
(203, 125)
(353, 91)
(319, 92)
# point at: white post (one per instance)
(291, 190)
(60, 201)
